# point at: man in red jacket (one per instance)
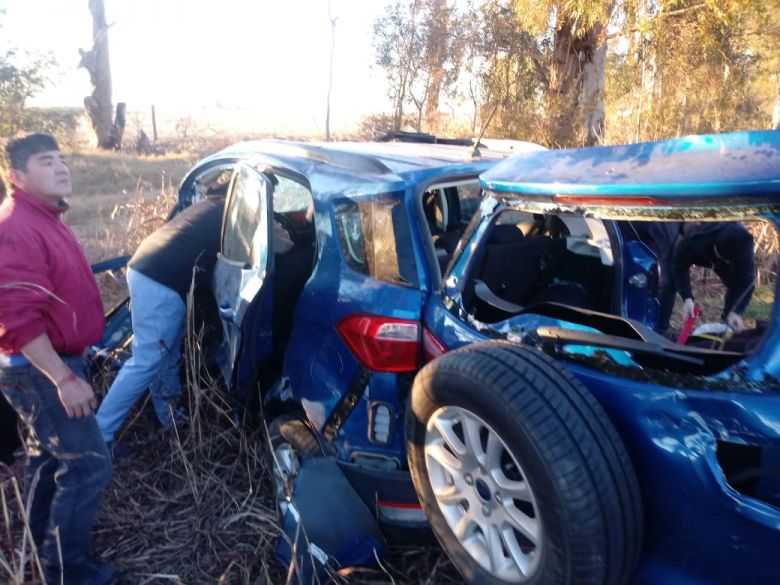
(50, 311)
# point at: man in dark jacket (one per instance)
(50, 311)
(727, 248)
(159, 277)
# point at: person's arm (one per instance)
(76, 395)
(740, 288)
(681, 263)
(739, 279)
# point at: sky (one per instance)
(270, 58)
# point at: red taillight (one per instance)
(381, 343)
(432, 347)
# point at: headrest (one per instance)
(505, 234)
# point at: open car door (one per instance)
(242, 268)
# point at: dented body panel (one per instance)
(706, 448)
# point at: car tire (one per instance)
(290, 439)
(520, 472)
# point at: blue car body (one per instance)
(678, 428)
(698, 528)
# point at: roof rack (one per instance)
(420, 137)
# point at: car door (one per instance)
(241, 271)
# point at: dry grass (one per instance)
(196, 505)
(120, 198)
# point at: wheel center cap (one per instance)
(482, 490)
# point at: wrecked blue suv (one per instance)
(554, 437)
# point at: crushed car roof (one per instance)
(334, 167)
(729, 165)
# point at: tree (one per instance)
(96, 61)
(397, 44)
(694, 66)
(419, 45)
(330, 68)
(511, 73)
(573, 36)
(443, 50)
(21, 78)
(545, 67)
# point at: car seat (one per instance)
(510, 268)
(568, 278)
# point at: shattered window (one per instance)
(470, 196)
(213, 183)
(243, 216)
(290, 196)
(375, 239)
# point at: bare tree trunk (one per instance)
(776, 109)
(592, 92)
(432, 102)
(398, 114)
(576, 83)
(562, 99)
(473, 94)
(96, 62)
(647, 79)
(438, 41)
(330, 70)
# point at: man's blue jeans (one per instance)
(157, 314)
(68, 464)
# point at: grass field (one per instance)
(119, 198)
(196, 506)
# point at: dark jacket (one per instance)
(727, 248)
(171, 253)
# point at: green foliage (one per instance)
(532, 67)
(419, 45)
(761, 304)
(691, 67)
(544, 17)
(21, 77)
(62, 123)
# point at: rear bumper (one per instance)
(390, 496)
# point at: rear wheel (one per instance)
(520, 472)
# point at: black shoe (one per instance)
(85, 570)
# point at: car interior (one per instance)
(533, 258)
(562, 266)
(448, 208)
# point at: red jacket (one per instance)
(46, 285)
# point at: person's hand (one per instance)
(689, 308)
(735, 322)
(76, 396)
(281, 239)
